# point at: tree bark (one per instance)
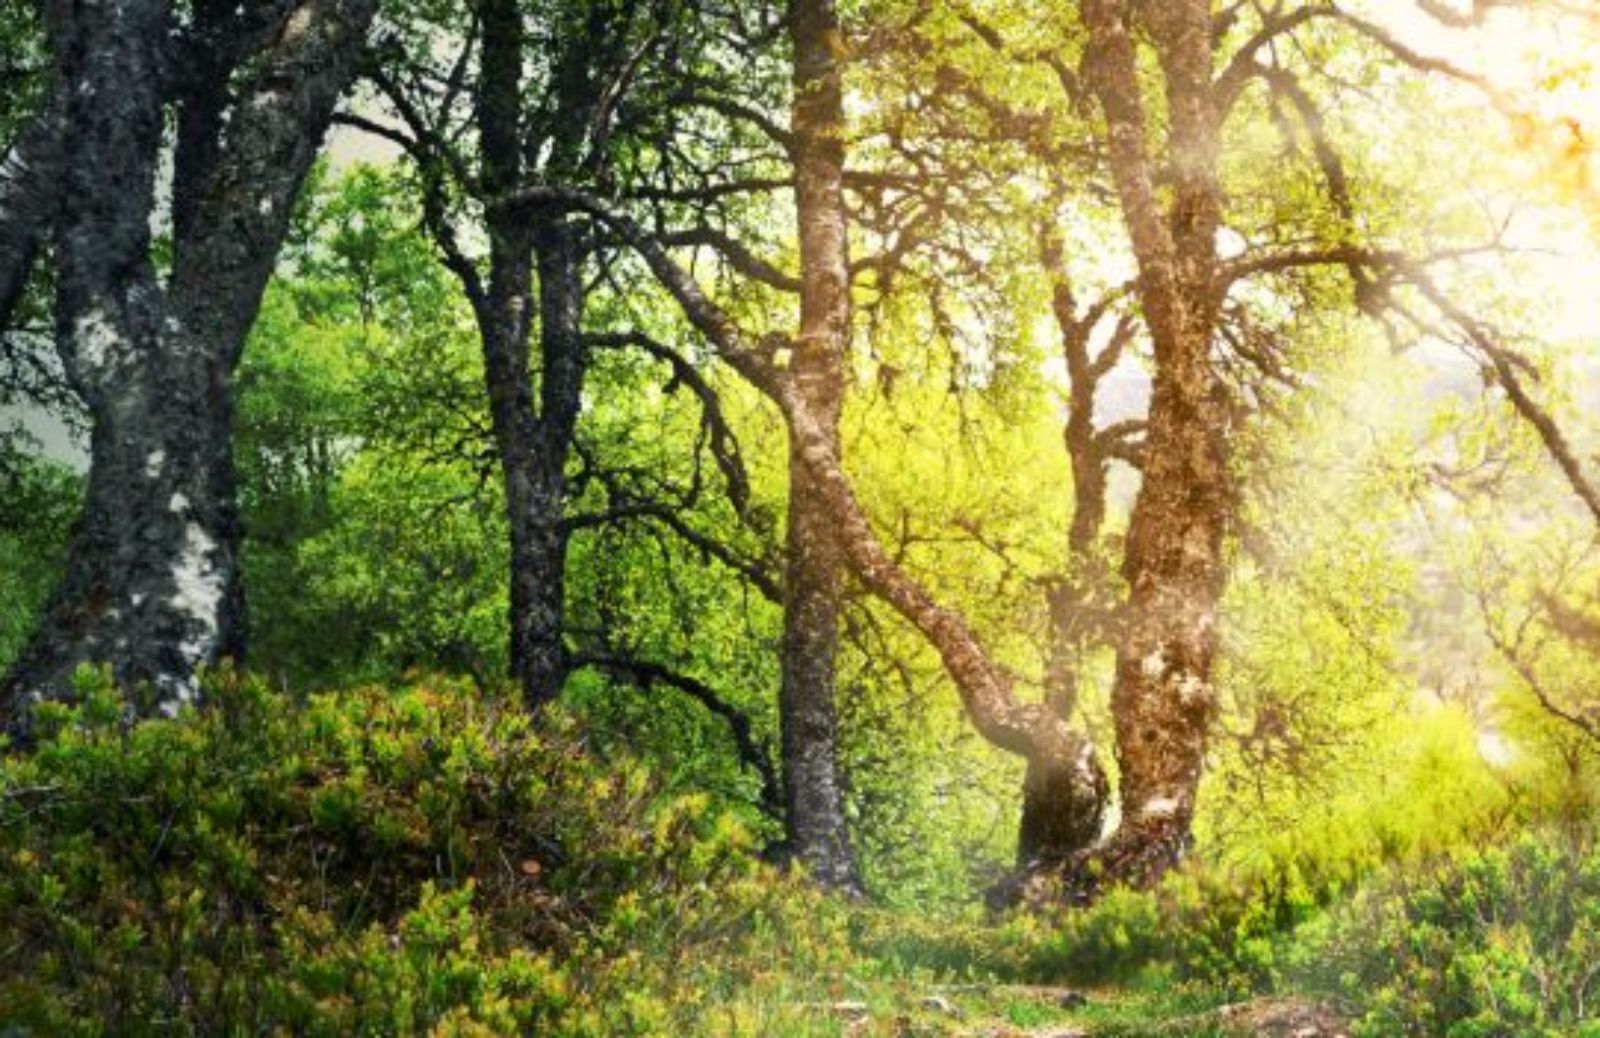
(564, 362)
(504, 328)
(808, 708)
(152, 586)
(1163, 701)
(1078, 615)
(533, 442)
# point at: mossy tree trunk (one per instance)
(815, 820)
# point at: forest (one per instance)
(1008, 518)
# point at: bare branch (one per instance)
(752, 754)
(735, 253)
(724, 444)
(29, 192)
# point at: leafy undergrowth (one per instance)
(379, 863)
(429, 861)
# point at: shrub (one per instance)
(413, 862)
(1498, 942)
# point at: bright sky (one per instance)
(1545, 62)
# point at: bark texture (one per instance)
(505, 315)
(808, 708)
(1163, 701)
(529, 245)
(152, 585)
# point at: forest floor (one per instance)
(1033, 1011)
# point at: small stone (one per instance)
(940, 1004)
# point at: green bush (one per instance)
(418, 862)
(1500, 942)
(38, 503)
(1232, 931)
(1227, 929)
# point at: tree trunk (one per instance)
(562, 353)
(1163, 702)
(153, 586)
(534, 626)
(533, 443)
(1064, 793)
(1077, 599)
(808, 709)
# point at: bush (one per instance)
(1499, 942)
(1231, 931)
(1227, 929)
(426, 861)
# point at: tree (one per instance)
(614, 91)
(528, 294)
(1165, 179)
(809, 710)
(152, 584)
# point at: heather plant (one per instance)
(420, 861)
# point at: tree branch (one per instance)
(752, 754)
(724, 444)
(29, 194)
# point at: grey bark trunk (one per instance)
(808, 708)
(561, 347)
(153, 585)
(533, 441)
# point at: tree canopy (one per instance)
(1059, 461)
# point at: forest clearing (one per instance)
(997, 518)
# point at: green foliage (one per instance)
(39, 500)
(1500, 942)
(422, 861)
(376, 543)
(430, 860)
(23, 57)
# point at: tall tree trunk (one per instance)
(533, 442)
(152, 585)
(534, 626)
(1163, 701)
(562, 353)
(1079, 616)
(148, 586)
(503, 323)
(808, 710)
